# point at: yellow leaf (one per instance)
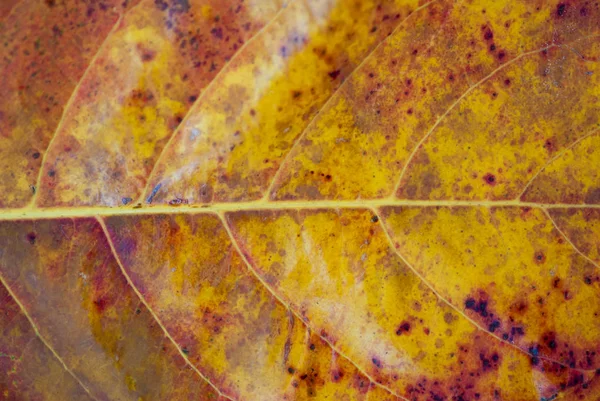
(275, 200)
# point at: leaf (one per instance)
(267, 200)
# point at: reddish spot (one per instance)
(540, 257)
(148, 56)
(501, 55)
(31, 238)
(488, 34)
(376, 362)
(404, 328)
(492, 47)
(337, 375)
(361, 383)
(100, 304)
(525, 212)
(490, 179)
(549, 145)
(507, 82)
(334, 74)
(409, 111)
(519, 307)
(217, 33)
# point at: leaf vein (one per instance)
(42, 339)
(266, 195)
(294, 312)
(477, 325)
(70, 103)
(197, 103)
(154, 315)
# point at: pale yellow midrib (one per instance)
(68, 212)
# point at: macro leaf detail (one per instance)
(299, 199)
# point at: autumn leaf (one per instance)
(299, 199)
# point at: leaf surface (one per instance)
(293, 200)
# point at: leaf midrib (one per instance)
(86, 211)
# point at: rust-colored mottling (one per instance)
(150, 72)
(28, 370)
(234, 142)
(72, 288)
(45, 49)
(230, 326)
(5, 8)
(340, 272)
(370, 132)
(572, 177)
(514, 273)
(582, 229)
(299, 200)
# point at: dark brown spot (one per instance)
(549, 145)
(374, 219)
(334, 74)
(148, 56)
(31, 238)
(561, 9)
(217, 32)
(490, 179)
(540, 257)
(403, 328)
(488, 34)
(36, 155)
(100, 304)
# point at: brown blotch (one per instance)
(334, 74)
(404, 328)
(31, 237)
(593, 196)
(539, 257)
(488, 34)
(549, 145)
(561, 9)
(490, 179)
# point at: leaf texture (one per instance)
(302, 199)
